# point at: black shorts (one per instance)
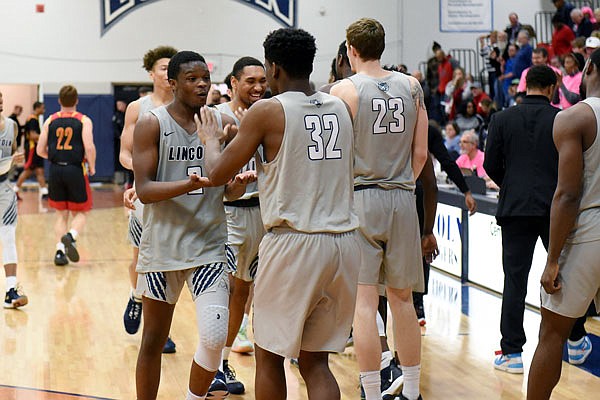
(32, 160)
(69, 188)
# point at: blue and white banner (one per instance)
(112, 11)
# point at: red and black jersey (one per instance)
(65, 138)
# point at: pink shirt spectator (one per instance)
(572, 83)
(523, 84)
(475, 164)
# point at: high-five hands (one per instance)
(208, 127)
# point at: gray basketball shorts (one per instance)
(245, 231)
(8, 204)
(579, 276)
(392, 252)
(166, 286)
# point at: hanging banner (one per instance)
(466, 15)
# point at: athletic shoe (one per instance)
(578, 354)
(169, 346)
(401, 397)
(70, 249)
(233, 385)
(512, 363)
(60, 259)
(132, 316)
(218, 387)
(242, 344)
(391, 380)
(420, 314)
(15, 298)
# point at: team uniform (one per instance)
(306, 284)
(32, 159)
(8, 198)
(135, 216)
(579, 272)
(244, 224)
(384, 182)
(183, 238)
(68, 183)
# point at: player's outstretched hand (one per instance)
(240, 113)
(245, 178)
(199, 181)
(208, 127)
(129, 197)
(18, 158)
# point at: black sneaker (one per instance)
(70, 248)
(218, 387)
(233, 385)
(391, 381)
(15, 298)
(60, 259)
(169, 347)
(132, 316)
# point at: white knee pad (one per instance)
(212, 327)
(9, 246)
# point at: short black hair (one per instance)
(243, 62)
(182, 57)
(540, 77)
(227, 81)
(37, 104)
(292, 49)
(343, 51)
(542, 51)
(152, 56)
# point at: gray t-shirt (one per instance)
(189, 230)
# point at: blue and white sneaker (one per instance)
(169, 347)
(579, 353)
(512, 363)
(218, 387)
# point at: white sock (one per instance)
(73, 233)
(371, 383)
(11, 282)
(380, 325)
(136, 298)
(225, 353)
(244, 323)
(60, 246)
(571, 342)
(44, 190)
(192, 396)
(412, 376)
(386, 358)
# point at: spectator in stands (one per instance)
(478, 95)
(512, 30)
(538, 57)
(446, 67)
(562, 36)
(597, 18)
(435, 110)
(502, 41)
(582, 26)
(514, 97)
(457, 91)
(591, 44)
(472, 158)
(468, 119)
(578, 46)
(523, 56)
(418, 75)
(563, 10)
(568, 84)
(491, 57)
(452, 141)
(589, 14)
(507, 75)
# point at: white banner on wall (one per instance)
(466, 15)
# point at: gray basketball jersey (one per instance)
(8, 198)
(7, 137)
(146, 104)
(586, 226)
(251, 188)
(384, 127)
(308, 185)
(189, 230)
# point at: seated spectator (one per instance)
(568, 84)
(562, 36)
(578, 46)
(472, 158)
(563, 10)
(582, 26)
(452, 139)
(467, 117)
(591, 44)
(457, 91)
(478, 95)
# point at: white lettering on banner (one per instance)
(447, 229)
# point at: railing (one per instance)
(468, 60)
(543, 26)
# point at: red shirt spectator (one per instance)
(478, 96)
(562, 36)
(445, 70)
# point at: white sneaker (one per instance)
(579, 353)
(242, 344)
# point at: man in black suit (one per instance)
(521, 158)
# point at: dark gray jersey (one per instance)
(384, 127)
(308, 185)
(189, 230)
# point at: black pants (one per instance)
(519, 235)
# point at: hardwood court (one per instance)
(70, 337)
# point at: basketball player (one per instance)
(9, 131)
(155, 63)
(184, 231)
(33, 162)
(390, 128)
(341, 68)
(244, 225)
(571, 279)
(308, 266)
(67, 141)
